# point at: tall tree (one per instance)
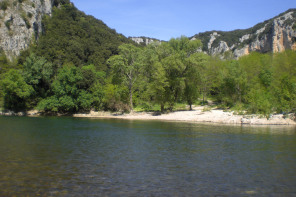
(195, 78)
(128, 65)
(16, 90)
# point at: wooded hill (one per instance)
(79, 64)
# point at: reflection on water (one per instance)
(68, 156)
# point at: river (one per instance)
(63, 156)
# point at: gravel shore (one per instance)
(198, 114)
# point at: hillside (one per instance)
(71, 36)
(63, 26)
(56, 30)
(20, 23)
(66, 62)
(274, 35)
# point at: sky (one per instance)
(166, 19)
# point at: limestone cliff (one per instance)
(144, 40)
(274, 35)
(20, 23)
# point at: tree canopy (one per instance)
(79, 64)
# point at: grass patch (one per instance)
(180, 107)
(147, 108)
(27, 22)
(201, 102)
(239, 109)
(207, 108)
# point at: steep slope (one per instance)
(274, 35)
(20, 23)
(56, 30)
(71, 36)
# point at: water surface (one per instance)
(102, 157)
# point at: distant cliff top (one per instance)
(273, 35)
(21, 25)
(144, 41)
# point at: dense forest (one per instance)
(79, 64)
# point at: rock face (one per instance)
(274, 35)
(20, 23)
(144, 40)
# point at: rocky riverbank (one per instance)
(198, 114)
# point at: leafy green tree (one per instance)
(259, 101)
(37, 72)
(128, 65)
(4, 66)
(68, 96)
(284, 81)
(158, 86)
(181, 71)
(234, 86)
(16, 90)
(115, 97)
(197, 77)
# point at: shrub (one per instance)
(8, 23)
(27, 22)
(29, 14)
(4, 5)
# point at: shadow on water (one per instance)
(52, 156)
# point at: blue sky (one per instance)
(165, 19)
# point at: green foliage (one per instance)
(50, 104)
(80, 64)
(38, 73)
(4, 5)
(29, 14)
(127, 65)
(284, 84)
(65, 87)
(74, 89)
(56, 3)
(115, 98)
(37, 70)
(294, 27)
(234, 85)
(16, 90)
(27, 22)
(259, 101)
(70, 36)
(68, 96)
(158, 86)
(4, 67)
(8, 23)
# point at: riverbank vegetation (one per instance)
(89, 66)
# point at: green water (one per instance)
(87, 157)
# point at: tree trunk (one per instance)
(203, 98)
(131, 96)
(162, 107)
